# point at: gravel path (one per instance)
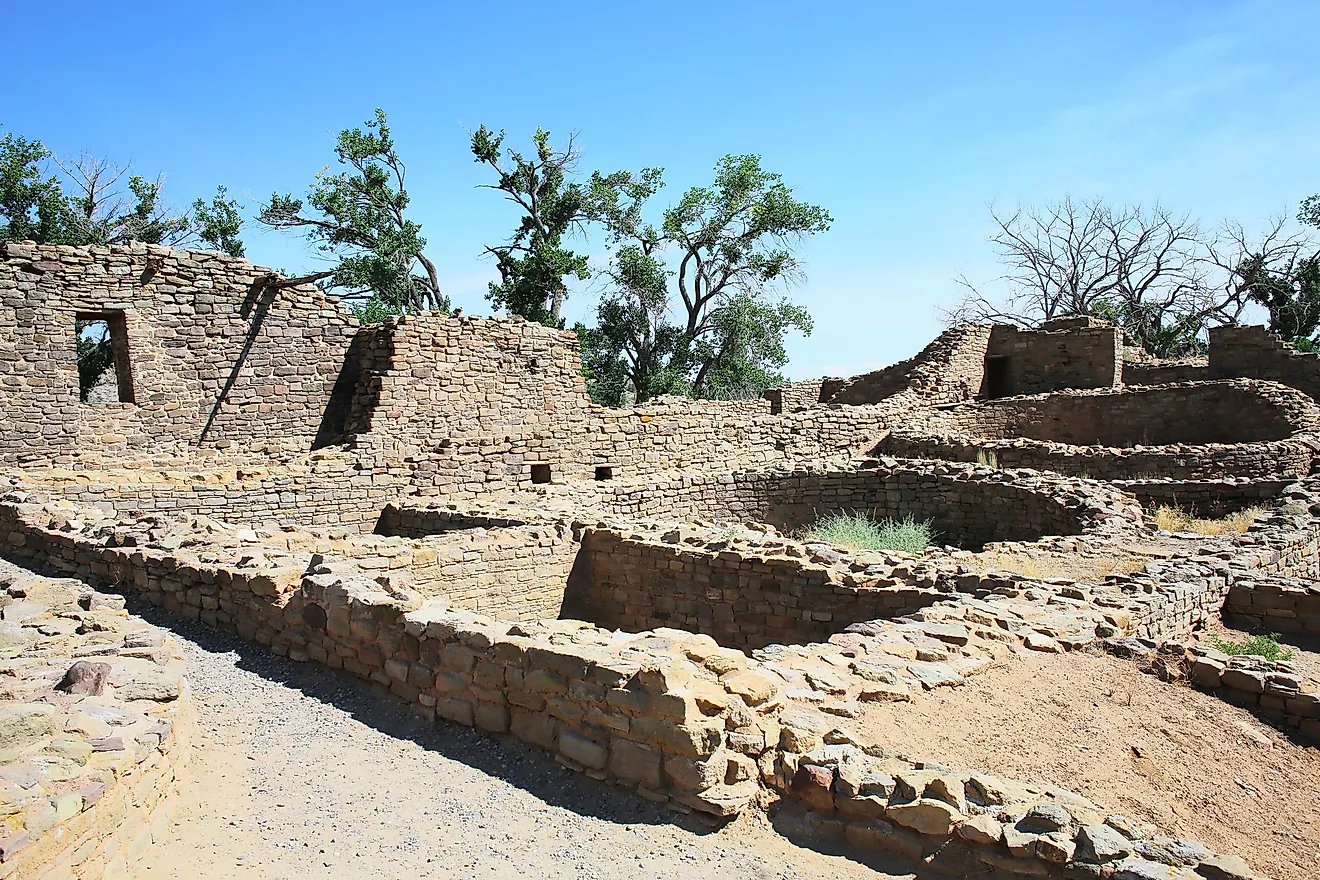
(300, 771)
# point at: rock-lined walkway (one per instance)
(304, 772)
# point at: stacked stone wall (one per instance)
(1164, 372)
(216, 351)
(1054, 357)
(948, 369)
(1254, 352)
(1205, 498)
(966, 506)
(740, 600)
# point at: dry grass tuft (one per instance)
(1174, 519)
(1042, 566)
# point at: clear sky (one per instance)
(905, 120)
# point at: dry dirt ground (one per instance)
(1163, 753)
(304, 772)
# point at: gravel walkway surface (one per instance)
(300, 771)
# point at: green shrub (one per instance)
(861, 532)
(1261, 646)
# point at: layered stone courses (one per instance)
(95, 728)
(434, 504)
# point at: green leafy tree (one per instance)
(1275, 269)
(534, 264)
(218, 222)
(722, 249)
(358, 217)
(90, 200)
(1309, 212)
(32, 205)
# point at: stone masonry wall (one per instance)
(1240, 411)
(1256, 353)
(953, 361)
(741, 601)
(1055, 356)
(214, 351)
(966, 506)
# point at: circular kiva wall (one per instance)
(1188, 430)
(967, 506)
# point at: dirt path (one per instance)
(1133, 744)
(306, 773)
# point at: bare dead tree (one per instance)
(1142, 268)
(106, 209)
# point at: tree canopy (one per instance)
(723, 249)
(91, 200)
(358, 218)
(533, 264)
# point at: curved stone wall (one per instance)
(1235, 411)
(967, 506)
(1186, 431)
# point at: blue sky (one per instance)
(905, 120)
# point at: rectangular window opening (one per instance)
(104, 372)
(540, 473)
(604, 472)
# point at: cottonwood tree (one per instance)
(534, 264)
(723, 249)
(1143, 268)
(358, 218)
(91, 200)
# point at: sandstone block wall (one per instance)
(215, 353)
(966, 506)
(1283, 458)
(949, 368)
(1163, 372)
(1205, 498)
(1289, 607)
(1256, 353)
(1239, 411)
(740, 600)
(1068, 353)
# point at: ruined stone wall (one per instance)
(1161, 372)
(1273, 605)
(1205, 498)
(461, 377)
(796, 396)
(948, 369)
(214, 352)
(327, 490)
(1256, 353)
(967, 507)
(1239, 411)
(1069, 353)
(513, 573)
(742, 601)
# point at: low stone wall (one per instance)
(1282, 458)
(1189, 413)
(967, 506)
(86, 798)
(667, 713)
(743, 600)
(1210, 499)
(1274, 606)
(1270, 688)
(327, 489)
(1163, 372)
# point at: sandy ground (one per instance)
(303, 772)
(1161, 753)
